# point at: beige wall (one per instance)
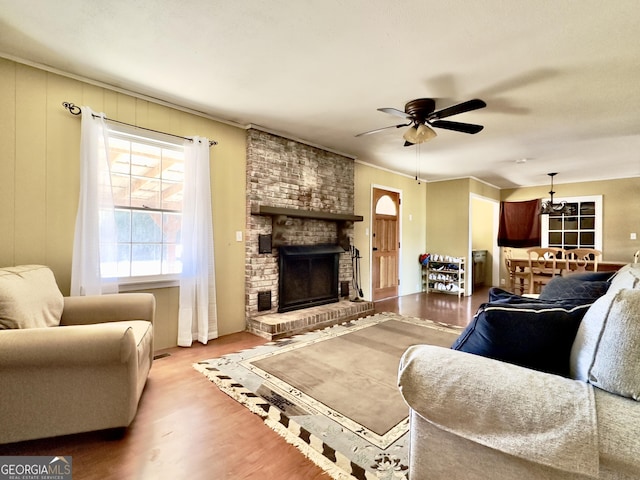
(620, 211)
(448, 217)
(413, 233)
(449, 230)
(484, 190)
(482, 234)
(39, 181)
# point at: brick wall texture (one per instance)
(285, 173)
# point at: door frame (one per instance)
(370, 234)
(495, 265)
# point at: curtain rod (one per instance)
(76, 110)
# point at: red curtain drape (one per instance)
(519, 224)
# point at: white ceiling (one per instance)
(561, 78)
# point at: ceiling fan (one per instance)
(422, 115)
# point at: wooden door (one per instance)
(385, 244)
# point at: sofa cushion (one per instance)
(533, 335)
(29, 297)
(573, 288)
(605, 351)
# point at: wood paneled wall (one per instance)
(39, 181)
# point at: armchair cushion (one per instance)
(533, 335)
(29, 298)
(605, 351)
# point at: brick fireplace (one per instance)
(298, 195)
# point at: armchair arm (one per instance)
(543, 418)
(84, 310)
(64, 346)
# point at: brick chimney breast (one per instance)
(284, 173)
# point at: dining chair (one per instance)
(544, 264)
(518, 279)
(583, 259)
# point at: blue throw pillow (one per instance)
(498, 295)
(533, 335)
(589, 276)
(573, 288)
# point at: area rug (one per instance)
(333, 392)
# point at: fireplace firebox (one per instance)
(308, 276)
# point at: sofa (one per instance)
(69, 364)
(533, 389)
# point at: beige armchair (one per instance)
(69, 364)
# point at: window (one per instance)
(386, 206)
(147, 178)
(580, 228)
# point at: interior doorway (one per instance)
(385, 243)
(483, 234)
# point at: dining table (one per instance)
(521, 264)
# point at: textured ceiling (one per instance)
(561, 78)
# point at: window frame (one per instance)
(598, 227)
(156, 139)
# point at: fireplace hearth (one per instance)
(308, 276)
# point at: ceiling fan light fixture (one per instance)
(411, 135)
(425, 133)
(420, 134)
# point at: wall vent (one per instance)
(264, 300)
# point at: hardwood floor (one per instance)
(188, 429)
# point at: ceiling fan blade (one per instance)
(467, 106)
(457, 126)
(395, 111)
(383, 128)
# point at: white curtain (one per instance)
(94, 262)
(197, 317)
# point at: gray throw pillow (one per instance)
(605, 351)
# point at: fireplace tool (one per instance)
(355, 268)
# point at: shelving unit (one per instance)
(445, 276)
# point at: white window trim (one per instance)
(128, 133)
(597, 199)
(146, 282)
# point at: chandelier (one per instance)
(548, 207)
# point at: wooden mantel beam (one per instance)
(311, 214)
(278, 222)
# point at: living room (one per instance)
(40, 176)
(40, 186)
